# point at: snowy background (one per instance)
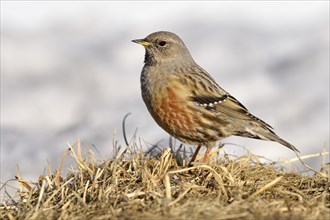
(69, 70)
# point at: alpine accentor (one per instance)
(186, 101)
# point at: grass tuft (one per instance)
(136, 185)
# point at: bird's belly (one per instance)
(172, 113)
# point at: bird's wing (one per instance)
(207, 94)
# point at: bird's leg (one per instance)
(195, 154)
(207, 154)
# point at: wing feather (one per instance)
(207, 94)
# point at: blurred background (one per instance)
(69, 70)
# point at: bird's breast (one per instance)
(166, 102)
(171, 111)
(169, 103)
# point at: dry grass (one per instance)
(136, 186)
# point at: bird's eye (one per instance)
(162, 43)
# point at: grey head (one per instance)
(164, 47)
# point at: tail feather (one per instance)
(273, 137)
(265, 133)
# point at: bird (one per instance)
(187, 102)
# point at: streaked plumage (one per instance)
(186, 101)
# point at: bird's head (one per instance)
(164, 47)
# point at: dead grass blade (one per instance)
(59, 168)
(265, 187)
(310, 168)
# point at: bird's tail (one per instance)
(263, 132)
(270, 135)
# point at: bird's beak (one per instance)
(143, 42)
